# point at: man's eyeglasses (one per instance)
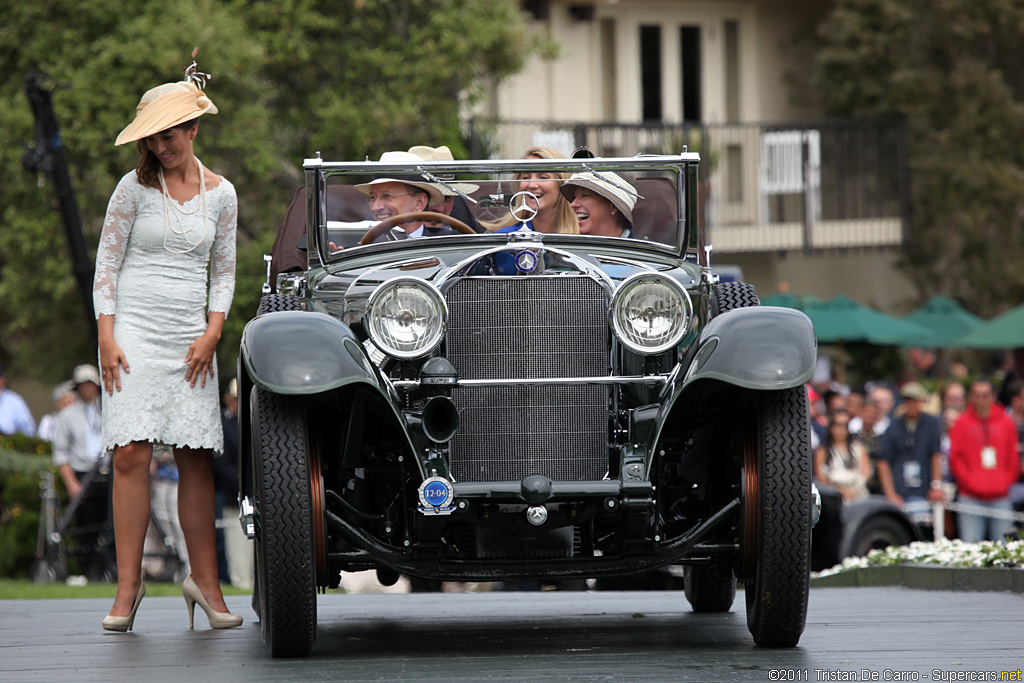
(385, 197)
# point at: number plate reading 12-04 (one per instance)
(436, 495)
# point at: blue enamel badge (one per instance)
(526, 261)
(436, 495)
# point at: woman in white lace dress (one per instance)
(160, 317)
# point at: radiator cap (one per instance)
(536, 489)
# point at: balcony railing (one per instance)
(768, 187)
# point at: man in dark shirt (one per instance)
(909, 452)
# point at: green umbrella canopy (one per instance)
(783, 299)
(843, 319)
(787, 300)
(947, 320)
(1005, 331)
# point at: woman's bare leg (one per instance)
(131, 519)
(196, 514)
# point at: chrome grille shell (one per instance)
(533, 328)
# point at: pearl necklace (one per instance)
(181, 215)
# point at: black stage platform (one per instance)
(852, 634)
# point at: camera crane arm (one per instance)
(47, 155)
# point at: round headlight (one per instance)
(650, 313)
(406, 317)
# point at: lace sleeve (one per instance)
(117, 227)
(222, 259)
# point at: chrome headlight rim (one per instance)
(430, 341)
(625, 288)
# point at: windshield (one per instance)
(561, 198)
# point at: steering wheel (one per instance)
(424, 216)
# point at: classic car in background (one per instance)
(855, 529)
(521, 405)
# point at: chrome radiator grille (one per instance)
(533, 328)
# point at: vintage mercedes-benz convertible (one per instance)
(516, 404)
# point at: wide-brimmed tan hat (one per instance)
(617, 187)
(404, 158)
(442, 153)
(165, 106)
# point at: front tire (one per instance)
(776, 518)
(269, 303)
(285, 569)
(710, 588)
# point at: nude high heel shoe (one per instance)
(123, 624)
(217, 619)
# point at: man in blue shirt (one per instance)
(14, 413)
(909, 452)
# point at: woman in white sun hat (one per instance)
(603, 202)
(168, 222)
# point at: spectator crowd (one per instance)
(74, 430)
(961, 443)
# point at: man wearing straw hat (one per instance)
(397, 194)
(452, 202)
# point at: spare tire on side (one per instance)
(730, 295)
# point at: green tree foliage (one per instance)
(290, 77)
(367, 76)
(951, 68)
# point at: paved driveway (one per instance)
(641, 636)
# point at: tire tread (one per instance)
(289, 622)
(777, 600)
(710, 588)
(732, 295)
(270, 303)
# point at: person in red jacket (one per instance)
(985, 463)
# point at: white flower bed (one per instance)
(944, 552)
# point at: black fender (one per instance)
(856, 515)
(757, 347)
(761, 348)
(301, 353)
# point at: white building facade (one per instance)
(819, 205)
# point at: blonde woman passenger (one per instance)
(169, 222)
(554, 213)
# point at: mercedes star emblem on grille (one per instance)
(526, 261)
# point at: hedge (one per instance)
(22, 462)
